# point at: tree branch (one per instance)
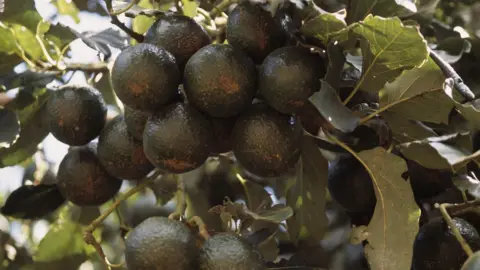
(93, 67)
(115, 21)
(449, 72)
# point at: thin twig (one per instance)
(456, 232)
(449, 72)
(115, 21)
(90, 228)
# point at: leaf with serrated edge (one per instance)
(417, 94)
(394, 224)
(307, 195)
(358, 9)
(324, 26)
(388, 47)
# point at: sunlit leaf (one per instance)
(190, 8)
(359, 9)
(394, 224)
(388, 47)
(69, 8)
(417, 94)
(323, 26)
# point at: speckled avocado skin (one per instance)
(178, 34)
(135, 121)
(82, 179)
(253, 30)
(161, 244)
(177, 138)
(121, 154)
(145, 77)
(266, 142)
(289, 76)
(227, 251)
(220, 80)
(76, 114)
(436, 248)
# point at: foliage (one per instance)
(392, 97)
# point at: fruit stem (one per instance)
(181, 199)
(202, 227)
(456, 232)
(218, 9)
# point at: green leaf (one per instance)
(417, 94)
(23, 12)
(27, 41)
(388, 47)
(306, 195)
(439, 152)
(60, 35)
(142, 23)
(68, 8)
(33, 131)
(190, 8)
(10, 127)
(394, 224)
(324, 26)
(7, 42)
(62, 247)
(406, 130)
(359, 9)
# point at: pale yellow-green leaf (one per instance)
(190, 8)
(27, 41)
(7, 42)
(142, 23)
(324, 26)
(394, 224)
(417, 94)
(359, 9)
(388, 48)
(68, 7)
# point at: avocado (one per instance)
(135, 121)
(161, 243)
(252, 29)
(289, 76)
(436, 248)
(75, 114)
(266, 142)
(83, 180)
(179, 34)
(220, 80)
(222, 134)
(228, 251)
(177, 138)
(145, 77)
(350, 185)
(120, 154)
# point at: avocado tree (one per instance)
(237, 134)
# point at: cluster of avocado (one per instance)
(162, 243)
(186, 99)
